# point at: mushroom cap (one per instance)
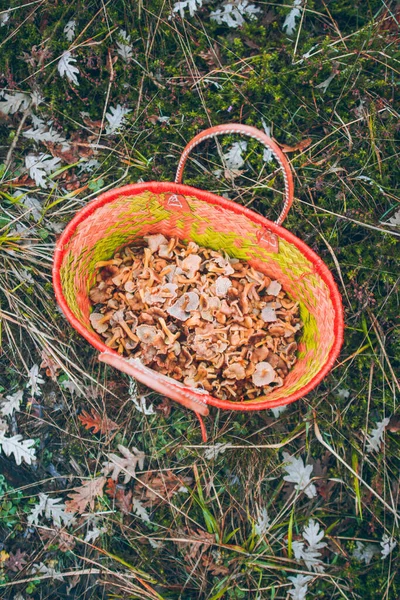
(94, 320)
(222, 285)
(117, 316)
(164, 251)
(182, 307)
(190, 265)
(235, 371)
(274, 288)
(101, 293)
(225, 264)
(155, 241)
(129, 286)
(146, 333)
(268, 315)
(153, 296)
(263, 374)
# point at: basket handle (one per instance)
(258, 135)
(188, 397)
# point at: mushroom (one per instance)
(155, 241)
(122, 277)
(130, 286)
(99, 321)
(116, 335)
(170, 336)
(190, 265)
(274, 288)
(259, 354)
(146, 333)
(118, 319)
(101, 293)
(222, 286)
(233, 341)
(268, 315)
(263, 374)
(182, 307)
(235, 371)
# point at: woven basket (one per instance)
(124, 215)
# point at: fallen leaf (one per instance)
(211, 566)
(51, 366)
(111, 488)
(302, 145)
(84, 495)
(123, 500)
(16, 562)
(97, 422)
(126, 464)
(197, 541)
(164, 407)
(154, 488)
(59, 537)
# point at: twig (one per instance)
(16, 138)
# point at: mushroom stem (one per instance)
(171, 337)
(128, 331)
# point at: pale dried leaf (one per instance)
(300, 589)
(290, 23)
(388, 545)
(116, 118)
(15, 102)
(40, 165)
(67, 69)
(299, 474)
(365, 552)
(21, 449)
(375, 439)
(52, 510)
(126, 464)
(69, 30)
(233, 13)
(11, 403)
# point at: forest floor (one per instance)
(294, 504)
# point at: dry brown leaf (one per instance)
(84, 495)
(164, 407)
(64, 540)
(302, 145)
(97, 422)
(16, 562)
(211, 566)
(123, 500)
(51, 366)
(126, 464)
(197, 541)
(111, 488)
(164, 484)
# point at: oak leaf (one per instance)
(154, 488)
(97, 422)
(126, 464)
(85, 494)
(196, 541)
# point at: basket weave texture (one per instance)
(124, 216)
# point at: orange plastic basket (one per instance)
(124, 215)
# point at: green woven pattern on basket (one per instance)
(128, 219)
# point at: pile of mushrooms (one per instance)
(191, 313)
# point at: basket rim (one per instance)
(176, 188)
